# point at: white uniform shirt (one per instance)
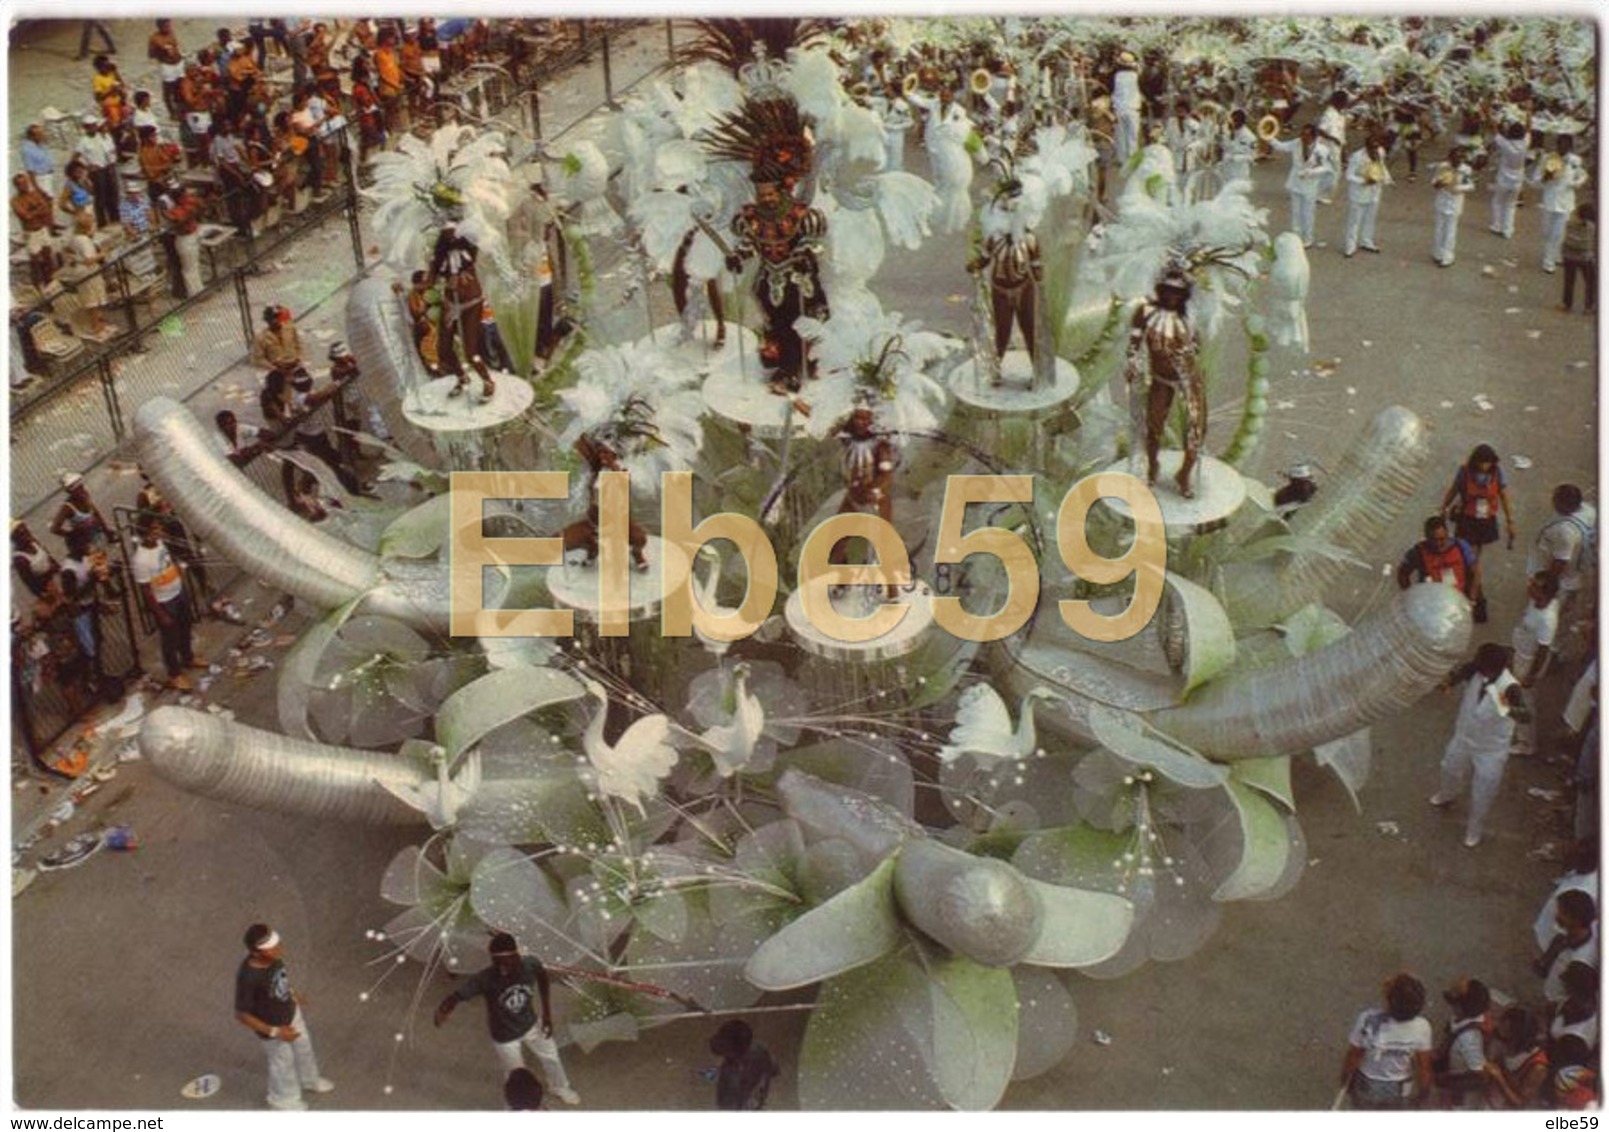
(1544, 928)
(155, 567)
(1558, 194)
(1511, 160)
(1536, 629)
(1485, 728)
(1389, 1045)
(1560, 540)
(1357, 187)
(1553, 986)
(97, 150)
(1450, 201)
(1332, 122)
(1305, 171)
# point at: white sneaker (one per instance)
(1471, 842)
(567, 1095)
(1437, 800)
(297, 1105)
(322, 1085)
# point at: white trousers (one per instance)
(894, 151)
(189, 249)
(1504, 202)
(291, 1067)
(1445, 244)
(1458, 765)
(1360, 218)
(546, 1050)
(1128, 136)
(1303, 207)
(1552, 238)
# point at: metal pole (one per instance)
(608, 74)
(670, 41)
(114, 413)
(243, 301)
(536, 114)
(349, 174)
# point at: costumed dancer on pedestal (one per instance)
(869, 460)
(1163, 360)
(452, 264)
(1010, 258)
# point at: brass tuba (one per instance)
(909, 84)
(1268, 127)
(980, 81)
(1552, 166)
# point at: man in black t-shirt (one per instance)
(266, 1005)
(506, 986)
(744, 1079)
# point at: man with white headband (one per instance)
(266, 1005)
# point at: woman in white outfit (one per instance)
(1560, 175)
(1310, 164)
(897, 121)
(1511, 147)
(1453, 182)
(1481, 736)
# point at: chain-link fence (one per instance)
(76, 414)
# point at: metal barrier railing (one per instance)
(163, 344)
(54, 680)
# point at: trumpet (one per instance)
(981, 81)
(1268, 127)
(909, 84)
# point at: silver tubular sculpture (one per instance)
(1377, 478)
(378, 332)
(1392, 658)
(209, 755)
(262, 537)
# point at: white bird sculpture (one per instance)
(983, 726)
(1289, 281)
(440, 800)
(707, 592)
(732, 744)
(632, 768)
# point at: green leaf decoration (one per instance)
(1271, 776)
(1077, 856)
(1349, 758)
(974, 1032)
(498, 698)
(1296, 545)
(552, 808)
(511, 893)
(1265, 846)
(1081, 928)
(300, 666)
(1209, 637)
(1126, 736)
(1311, 628)
(854, 928)
(870, 1038)
(418, 533)
(1047, 1021)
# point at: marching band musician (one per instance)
(1559, 174)
(1366, 178)
(1310, 162)
(1453, 182)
